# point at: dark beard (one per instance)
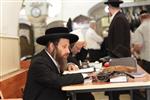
(60, 60)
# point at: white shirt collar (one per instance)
(53, 60)
(112, 17)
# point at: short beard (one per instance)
(60, 60)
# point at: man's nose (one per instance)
(78, 50)
(68, 51)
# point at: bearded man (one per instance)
(45, 78)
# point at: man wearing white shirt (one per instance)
(93, 41)
(141, 41)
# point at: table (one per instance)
(13, 99)
(132, 84)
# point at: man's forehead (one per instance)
(64, 40)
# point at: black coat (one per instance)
(73, 59)
(44, 81)
(119, 36)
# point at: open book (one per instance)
(85, 70)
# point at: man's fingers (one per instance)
(72, 67)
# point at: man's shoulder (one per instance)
(90, 31)
(42, 56)
(120, 16)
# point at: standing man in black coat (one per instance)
(118, 37)
(119, 41)
(45, 78)
(119, 31)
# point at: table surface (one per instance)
(136, 82)
(13, 99)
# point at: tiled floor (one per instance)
(101, 96)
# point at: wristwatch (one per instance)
(36, 12)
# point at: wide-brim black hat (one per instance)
(55, 33)
(113, 2)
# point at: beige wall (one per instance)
(9, 14)
(9, 41)
(9, 54)
(73, 8)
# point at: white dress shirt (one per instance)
(93, 40)
(53, 60)
(142, 37)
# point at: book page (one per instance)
(85, 70)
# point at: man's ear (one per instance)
(50, 47)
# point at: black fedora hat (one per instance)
(56, 33)
(113, 2)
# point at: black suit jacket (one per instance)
(73, 59)
(119, 36)
(44, 81)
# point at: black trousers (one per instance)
(146, 66)
(94, 55)
(84, 96)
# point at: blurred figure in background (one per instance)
(141, 41)
(80, 26)
(93, 41)
(75, 49)
(81, 55)
(75, 64)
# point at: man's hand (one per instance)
(72, 67)
(137, 48)
(93, 75)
